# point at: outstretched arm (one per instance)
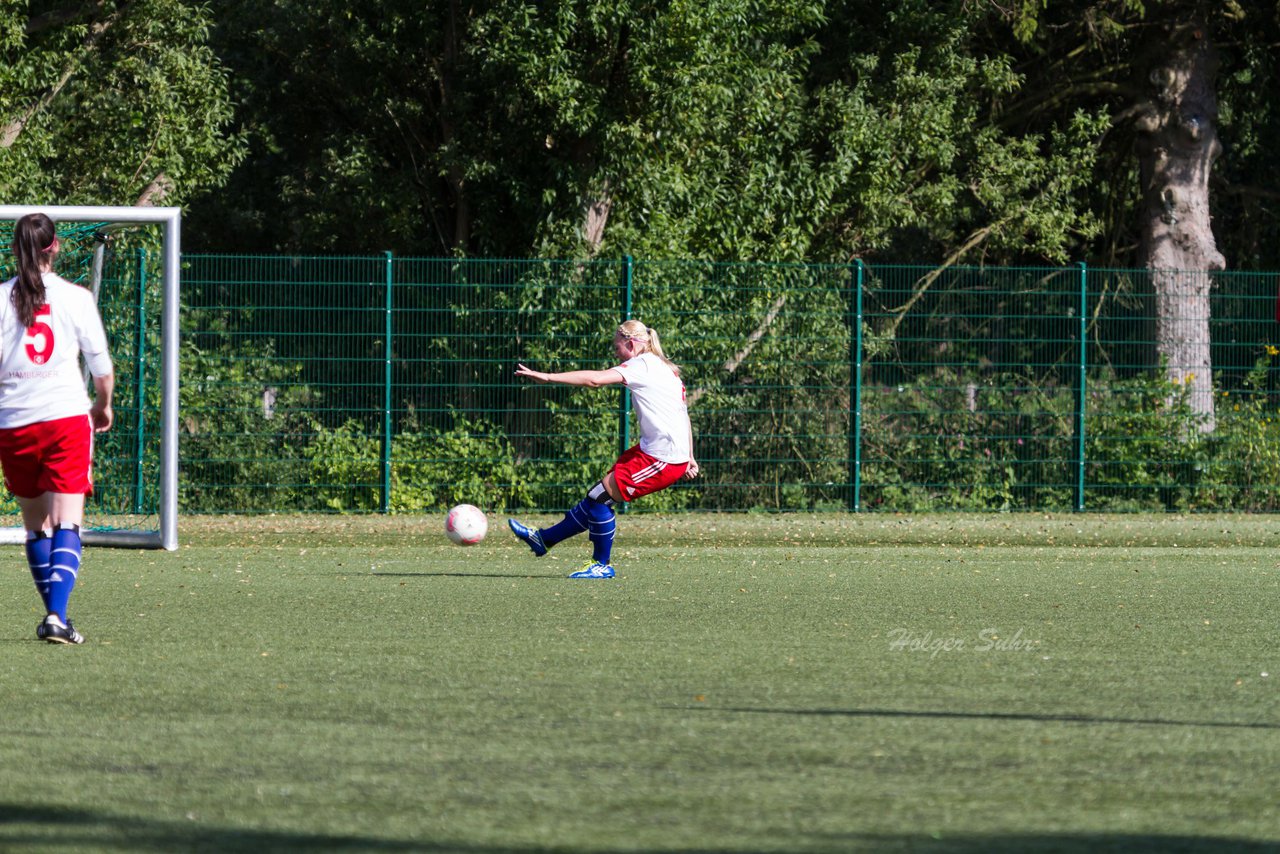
(591, 379)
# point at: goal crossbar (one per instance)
(171, 220)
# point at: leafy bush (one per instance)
(1143, 445)
(1011, 446)
(1238, 466)
(344, 468)
(244, 424)
(472, 462)
(951, 442)
(432, 470)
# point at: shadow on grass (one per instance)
(459, 575)
(66, 829)
(989, 716)
(23, 827)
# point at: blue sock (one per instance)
(574, 522)
(600, 529)
(39, 544)
(64, 566)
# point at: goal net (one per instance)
(129, 258)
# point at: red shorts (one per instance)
(48, 456)
(638, 474)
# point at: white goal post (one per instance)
(171, 221)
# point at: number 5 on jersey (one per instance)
(38, 330)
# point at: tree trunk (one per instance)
(160, 187)
(1177, 145)
(596, 215)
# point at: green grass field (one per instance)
(747, 683)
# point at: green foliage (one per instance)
(1095, 56)
(1250, 122)
(924, 451)
(683, 118)
(1147, 452)
(99, 102)
(733, 129)
(355, 118)
(1107, 18)
(1141, 434)
(1240, 464)
(344, 469)
(720, 133)
(472, 462)
(921, 169)
(242, 449)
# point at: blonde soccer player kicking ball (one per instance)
(663, 456)
(47, 421)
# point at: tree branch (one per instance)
(731, 366)
(59, 17)
(1251, 191)
(11, 131)
(923, 285)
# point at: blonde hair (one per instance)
(637, 331)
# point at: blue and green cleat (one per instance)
(594, 569)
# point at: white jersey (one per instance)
(658, 398)
(40, 377)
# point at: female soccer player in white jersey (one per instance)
(663, 456)
(47, 421)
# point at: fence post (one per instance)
(1082, 373)
(386, 392)
(139, 380)
(855, 395)
(624, 409)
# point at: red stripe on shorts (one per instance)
(638, 473)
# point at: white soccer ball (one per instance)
(466, 525)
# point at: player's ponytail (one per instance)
(655, 347)
(35, 240)
(637, 331)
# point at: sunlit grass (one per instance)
(746, 684)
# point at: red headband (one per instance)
(51, 245)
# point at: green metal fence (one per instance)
(383, 384)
